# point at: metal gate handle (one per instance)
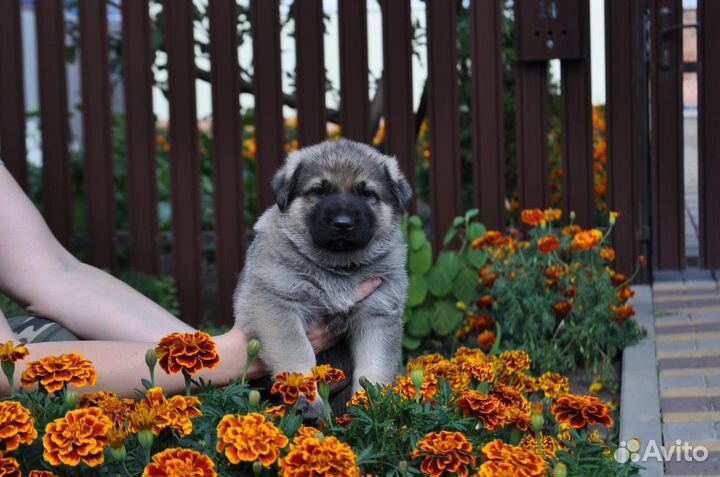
(666, 29)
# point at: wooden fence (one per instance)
(628, 137)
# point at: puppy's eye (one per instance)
(317, 190)
(366, 193)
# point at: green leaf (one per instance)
(458, 221)
(417, 290)
(420, 260)
(420, 323)
(414, 222)
(476, 230)
(440, 279)
(449, 236)
(470, 214)
(465, 285)
(476, 258)
(411, 343)
(417, 239)
(446, 318)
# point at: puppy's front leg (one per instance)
(286, 348)
(376, 346)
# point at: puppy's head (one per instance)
(341, 201)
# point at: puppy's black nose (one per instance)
(343, 223)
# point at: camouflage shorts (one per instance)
(34, 329)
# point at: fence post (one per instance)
(185, 165)
(12, 94)
(227, 151)
(310, 78)
(355, 107)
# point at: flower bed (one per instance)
(474, 414)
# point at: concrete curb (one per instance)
(640, 396)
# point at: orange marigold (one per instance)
(554, 384)
(562, 309)
(118, 410)
(483, 406)
(608, 253)
(187, 352)
(17, 425)
(315, 456)
(617, 278)
(9, 467)
(488, 277)
(11, 353)
(359, 399)
(514, 405)
(571, 230)
(444, 451)
(292, 385)
(275, 410)
(180, 463)
(580, 411)
(424, 361)
(343, 420)
(327, 374)
(488, 238)
(587, 240)
(548, 244)
(533, 217)
(553, 274)
(428, 389)
(504, 460)
(40, 473)
(622, 313)
(56, 372)
(486, 339)
(175, 412)
(550, 445)
(249, 438)
(553, 215)
(625, 294)
(515, 361)
(485, 301)
(78, 437)
(481, 370)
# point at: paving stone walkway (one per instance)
(687, 344)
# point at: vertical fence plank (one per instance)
(227, 136)
(12, 94)
(57, 203)
(355, 107)
(626, 123)
(577, 135)
(185, 166)
(139, 133)
(487, 110)
(397, 79)
(97, 133)
(444, 126)
(709, 130)
(310, 77)
(532, 97)
(267, 82)
(667, 147)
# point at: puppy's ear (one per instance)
(284, 187)
(399, 187)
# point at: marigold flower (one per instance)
(503, 460)
(428, 390)
(485, 407)
(118, 410)
(485, 301)
(553, 274)
(359, 399)
(275, 411)
(608, 253)
(550, 445)
(444, 451)
(515, 361)
(38, 473)
(562, 309)
(625, 294)
(78, 437)
(580, 411)
(315, 456)
(292, 385)
(617, 278)
(622, 313)
(548, 244)
(187, 352)
(553, 215)
(175, 412)
(249, 438)
(491, 237)
(424, 361)
(327, 374)
(117, 436)
(488, 277)
(554, 384)
(587, 240)
(9, 467)
(343, 420)
(56, 372)
(480, 370)
(514, 405)
(180, 463)
(532, 217)
(571, 230)
(11, 353)
(142, 418)
(17, 425)
(486, 339)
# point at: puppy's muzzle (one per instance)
(342, 223)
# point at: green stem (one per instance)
(188, 384)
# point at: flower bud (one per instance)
(151, 358)
(254, 397)
(560, 470)
(118, 453)
(536, 416)
(145, 438)
(572, 216)
(253, 349)
(403, 467)
(364, 382)
(257, 467)
(70, 399)
(461, 306)
(417, 375)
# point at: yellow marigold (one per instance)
(479, 369)
(359, 399)
(319, 456)
(550, 445)
(292, 385)
(515, 361)
(504, 460)
(56, 372)
(444, 451)
(532, 217)
(275, 411)
(327, 374)
(587, 240)
(180, 463)
(142, 418)
(249, 438)
(514, 406)
(78, 437)
(117, 436)
(571, 230)
(525, 383)
(486, 339)
(554, 384)
(553, 215)
(9, 467)
(622, 313)
(608, 253)
(485, 407)
(175, 412)
(422, 362)
(11, 353)
(17, 425)
(581, 411)
(39, 473)
(428, 389)
(187, 352)
(548, 244)
(118, 410)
